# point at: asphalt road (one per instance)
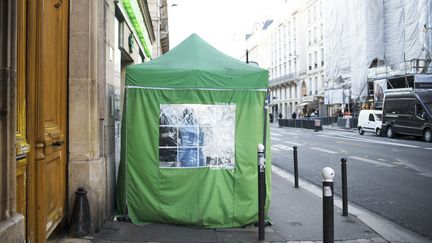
(391, 177)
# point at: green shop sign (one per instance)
(133, 11)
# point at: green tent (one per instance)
(191, 124)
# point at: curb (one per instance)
(388, 230)
(340, 129)
(325, 127)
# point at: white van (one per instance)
(370, 121)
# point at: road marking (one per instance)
(420, 170)
(344, 151)
(375, 162)
(277, 139)
(275, 149)
(377, 141)
(428, 148)
(324, 150)
(369, 141)
(291, 134)
(293, 143)
(346, 143)
(427, 174)
(283, 147)
(275, 134)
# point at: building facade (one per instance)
(105, 37)
(12, 224)
(258, 45)
(313, 98)
(293, 52)
(373, 46)
(159, 16)
(285, 70)
(62, 69)
(296, 71)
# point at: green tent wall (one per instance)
(192, 73)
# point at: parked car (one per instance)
(369, 121)
(408, 113)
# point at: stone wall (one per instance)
(11, 224)
(95, 94)
(86, 82)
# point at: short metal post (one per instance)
(247, 56)
(261, 192)
(328, 217)
(344, 187)
(317, 124)
(295, 167)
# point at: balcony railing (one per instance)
(284, 79)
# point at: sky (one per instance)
(222, 23)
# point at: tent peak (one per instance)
(195, 63)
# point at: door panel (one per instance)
(48, 60)
(406, 116)
(21, 186)
(54, 206)
(419, 120)
(54, 81)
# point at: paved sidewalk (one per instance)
(296, 215)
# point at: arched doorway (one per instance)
(304, 89)
(303, 93)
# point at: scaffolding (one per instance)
(396, 76)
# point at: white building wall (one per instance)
(258, 46)
(301, 44)
(315, 40)
(287, 53)
(288, 58)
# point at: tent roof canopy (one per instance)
(196, 64)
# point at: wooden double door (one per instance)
(42, 73)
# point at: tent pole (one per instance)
(247, 56)
(125, 213)
(262, 194)
(266, 103)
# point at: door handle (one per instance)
(57, 143)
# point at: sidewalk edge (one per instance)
(390, 231)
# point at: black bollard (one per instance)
(80, 225)
(328, 217)
(317, 123)
(344, 187)
(261, 192)
(295, 167)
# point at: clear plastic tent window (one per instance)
(196, 135)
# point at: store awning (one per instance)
(303, 104)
